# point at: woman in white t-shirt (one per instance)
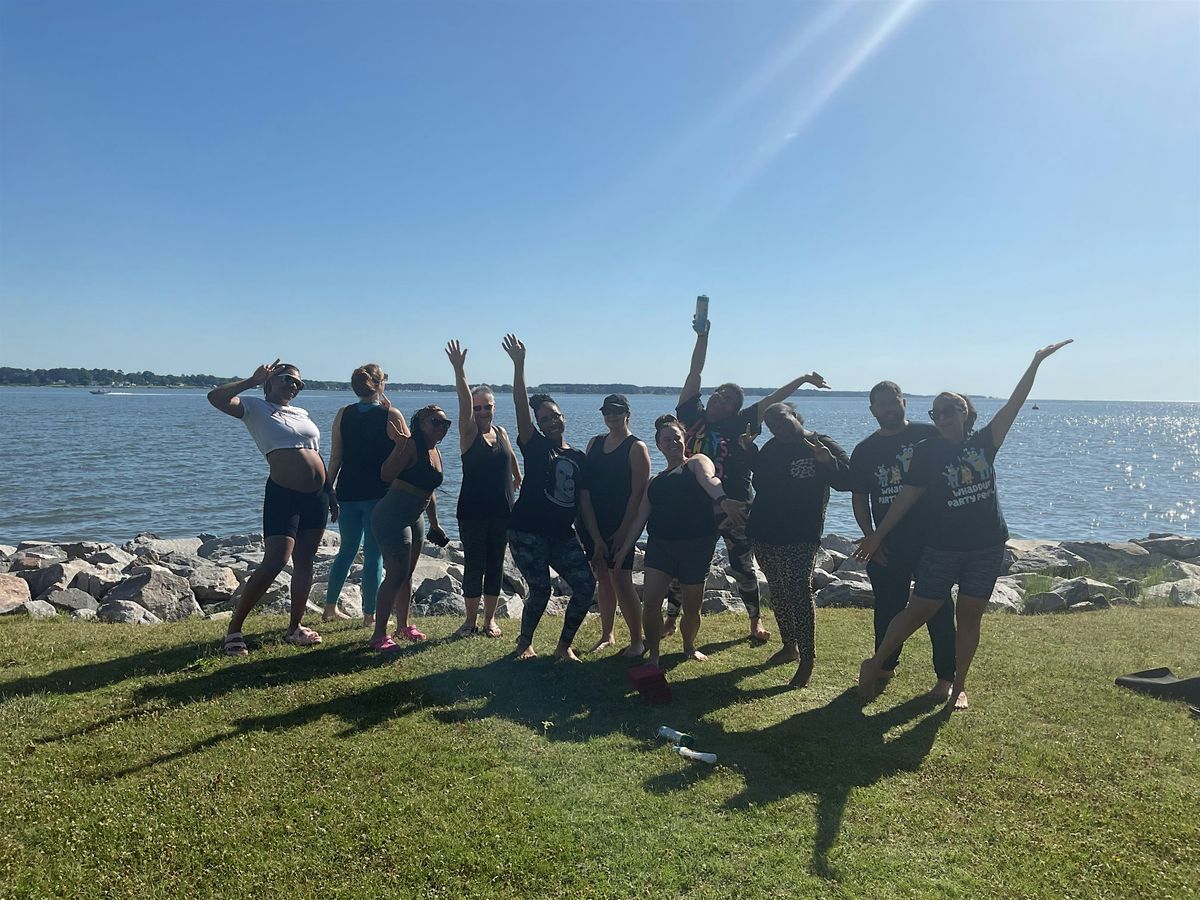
(297, 502)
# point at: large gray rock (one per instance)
(513, 582)
(839, 544)
(1123, 557)
(720, 580)
(163, 593)
(1045, 602)
(1172, 545)
(349, 600)
(14, 592)
(510, 607)
(210, 582)
(822, 578)
(147, 544)
(232, 544)
(54, 577)
(430, 575)
(828, 560)
(35, 609)
(441, 603)
(126, 612)
(85, 549)
(1184, 592)
(854, 591)
(45, 551)
(98, 580)
(1071, 593)
(722, 601)
(1023, 580)
(72, 599)
(1046, 557)
(850, 564)
(1177, 570)
(1006, 597)
(113, 556)
(84, 615)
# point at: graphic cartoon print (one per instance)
(564, 475)
(891, 476)
(703, 438)
(969, 477)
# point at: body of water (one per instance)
(85, 466)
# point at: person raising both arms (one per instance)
(541, 532)
(414, 468)
(361, 443)
(715, 429)
(490, 476)
(967, 531)
(615, 477)
(296, 503)
(877, 469)
(677, 509)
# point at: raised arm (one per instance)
(467, 429)
(1003, 419)
(225, 397)
(787, 390)
(516, 351)
(691, 384)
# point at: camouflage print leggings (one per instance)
(741, 567)
(534, 555)
(789, 569)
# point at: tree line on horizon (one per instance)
(79, 377)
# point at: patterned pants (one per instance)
(741, 567)
(789, 569)
(534, 555)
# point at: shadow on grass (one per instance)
(825, 752)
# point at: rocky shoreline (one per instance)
(148, 580)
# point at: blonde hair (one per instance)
(367, 380)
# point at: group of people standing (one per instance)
(923, 495)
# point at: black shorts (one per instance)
(589, 548)
(687, 559)
(974, 571)
(286, 512)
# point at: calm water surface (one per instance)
(105, 467)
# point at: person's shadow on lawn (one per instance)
(826, 752)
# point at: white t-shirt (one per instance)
(276, 427)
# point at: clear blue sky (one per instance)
(925, 192)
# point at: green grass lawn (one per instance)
(138, 762)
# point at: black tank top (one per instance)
(485, 480)
(609, 482)
(365, 445)
(422, 474)
(679, 507)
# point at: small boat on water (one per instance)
(100, 391)
(1035, 406)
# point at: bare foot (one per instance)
(868, 674)
(758, 633)
(634, 651)
(567, 655)
(526, 651)
(803, 673)
(959, 700)
(368, 621)
(694, 654)
(605, 641)
(333, 614)
(784, 655)
(940, 691)
(669, 626)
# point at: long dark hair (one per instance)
(414, 424)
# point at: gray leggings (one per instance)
(396, 523)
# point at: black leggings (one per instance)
(484, 542)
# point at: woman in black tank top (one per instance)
(678, 505)
(490, 477)
(360, 445)
(615, 475)
(415, 470)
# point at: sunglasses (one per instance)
(292, 382)
(486, 407)
(940, 412)
(614, 411)
(443, 424)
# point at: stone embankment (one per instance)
(148, 580)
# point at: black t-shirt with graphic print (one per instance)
(960, 485)
(877, 468)
(791, 490)
(720, 442)
(550, 491)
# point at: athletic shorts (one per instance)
(286, 512)
(974, 571)
(687, 559)
(589, 548)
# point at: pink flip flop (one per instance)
(411, 633)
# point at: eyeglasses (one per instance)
(486, 407)
(940, 412)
